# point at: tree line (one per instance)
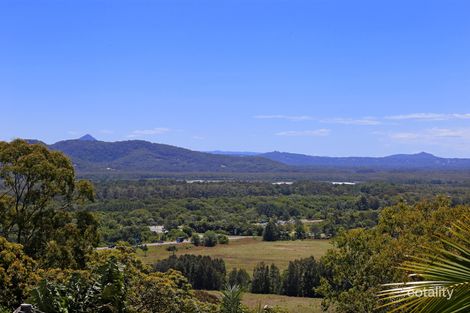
(125, 209)
(299, 279)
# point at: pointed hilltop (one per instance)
(87, 137)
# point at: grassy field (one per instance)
(246, 253)
(292, 304)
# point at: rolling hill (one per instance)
(91, 155)
(399, 161)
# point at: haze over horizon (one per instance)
(313, 77)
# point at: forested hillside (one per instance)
(399, 161)
(143, 156)
(143, 159)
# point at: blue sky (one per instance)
(323, 77)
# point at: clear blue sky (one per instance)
(318, 77)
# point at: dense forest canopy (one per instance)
(127, 208)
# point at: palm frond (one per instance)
(443, 284)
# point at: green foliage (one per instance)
(302, 277)
(114, 289)
(126, 208)
(266, 279)
(196, 240)
(442, 273)
(239, 277)
(48, 297)
(274, 280)
(271, 232)
(116, 282)
(144, 248)
(203, 272)
(222, 239)
(176, 233)
(4, 309)
(73, 241)
(39, 191)
(300, 230)
(172, 249)
(105, 291)
(40, 208)
(167, 293)
(365, 259)
(260, 280)
(210, 239)
(231, 299)
(17, 274)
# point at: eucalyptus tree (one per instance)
(39, 199)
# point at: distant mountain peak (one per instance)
(426, 154)
(87, 137)
(138, 156)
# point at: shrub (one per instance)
(209, 239)
(17, 273)
(271, 232)
(196, 240)
(222, 239)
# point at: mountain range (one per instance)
(421, 160)
(90, 155)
